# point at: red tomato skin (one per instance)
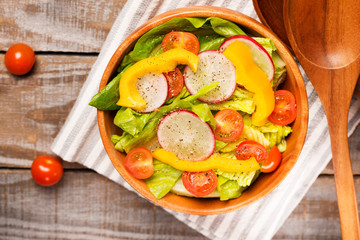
(139, 163)
(272, 161)
(285, 108)
(46, 171)
(176, 82)
(19, 59)
(180, 39)
(250, 148)
(200, 184)
(229, 125)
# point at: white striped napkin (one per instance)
(79, 139)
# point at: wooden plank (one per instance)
(316, 217)
(354, 146)
(34, 107)
(88, 206)
(57, 26)
(83, 205)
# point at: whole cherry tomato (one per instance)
(46, 170)
(19, 59)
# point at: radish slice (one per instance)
(213, 67)
(153, 89)
(186, 135)
(260, 55)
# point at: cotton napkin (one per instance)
(79, 139)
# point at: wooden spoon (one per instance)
(325, 37)
(270, 13)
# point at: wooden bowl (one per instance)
(266, 182)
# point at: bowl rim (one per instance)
(204, 11)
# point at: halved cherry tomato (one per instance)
(250, 148)
(272, 161)
(19, 59)
(176, 82)
(139, 163)
(285, 108)
(200, 183)
(46, 170)
(179, 39)
(229, 125)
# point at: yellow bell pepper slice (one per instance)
(214, 162)
(253, 79)
(165, 62)
(231, 146)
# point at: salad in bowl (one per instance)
(198, 107)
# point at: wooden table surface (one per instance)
(67, 37)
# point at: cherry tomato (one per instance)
(229, 125)
(200, 183)
(139, 163)
(19, 59)
(46, 170)
(176, 82)
(179, 39)
(272, 161)
(285, 108)
(250, 148)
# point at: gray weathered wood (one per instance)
(85, 205)
(35, 106)
(57, 26)
(317, 216)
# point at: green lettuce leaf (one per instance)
(267, 43)
(208, 39)
(163, 179)
(280, 70)
(231, 185)
(109, 95)
(241, 100)
(204, 113)
(128, 142)
(252, 133)
(228, 189)
(224, 27)
(282, 145)
(131, 121)
(121, 141)
(244, 179)
(275, 134)
(219, 145)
